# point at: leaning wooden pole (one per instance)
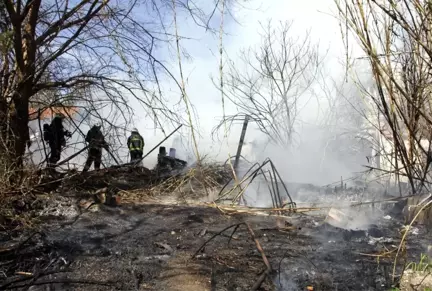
(241, 141)
(71, 157)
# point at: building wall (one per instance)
(384, 159)
(382, 151)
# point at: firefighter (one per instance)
(96, 142)
(135, 144)
(55, 135)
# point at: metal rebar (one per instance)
(285, 187)
(277, 193)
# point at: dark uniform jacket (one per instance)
(57, 132)
(135, 142)
(96, 138)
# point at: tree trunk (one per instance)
(19, 125)
(14, 128)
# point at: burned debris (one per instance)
(276, 187)
(228, 246)
(167, 163)
(239, 228)
(125, 225)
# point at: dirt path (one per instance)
(180, 275)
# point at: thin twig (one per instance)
(214, 236)
(264, 258)
(63, 281)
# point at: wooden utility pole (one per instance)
(240, 145)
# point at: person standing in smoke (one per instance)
(135, 143)
(55, 135)
(96, 142)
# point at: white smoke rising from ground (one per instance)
(306, 163)
(286, 283)
(309, 160)
(330, 147)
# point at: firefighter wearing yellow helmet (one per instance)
(135, 143)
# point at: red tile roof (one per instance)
(51, 111)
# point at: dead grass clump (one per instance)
(194, 182)
(17, 196)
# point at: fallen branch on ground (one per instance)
(215, 235)
(384, 254)
(264, 258)
(63, 281)
(6, 285)
(20, 244)
(257, 244)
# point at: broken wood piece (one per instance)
(264, 258)
(288, 228)
(219, 260)
(4, 250)
(24, 273)
(107, 196)
(257, 244)
(112, 200)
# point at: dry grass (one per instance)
(18, 197)
(193, 183)
(23, 194)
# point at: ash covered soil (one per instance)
(149, 247)
(144, 245)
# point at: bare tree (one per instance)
(89, 53)
(395, 37)
(270, 84)
(344, 123)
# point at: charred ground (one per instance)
(147, 245)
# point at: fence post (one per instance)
(240, 145)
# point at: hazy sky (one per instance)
(315, 15)
(318, 16)
(244, 32)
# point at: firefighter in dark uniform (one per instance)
(96, 142)
(55, 135)
(135, 144)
